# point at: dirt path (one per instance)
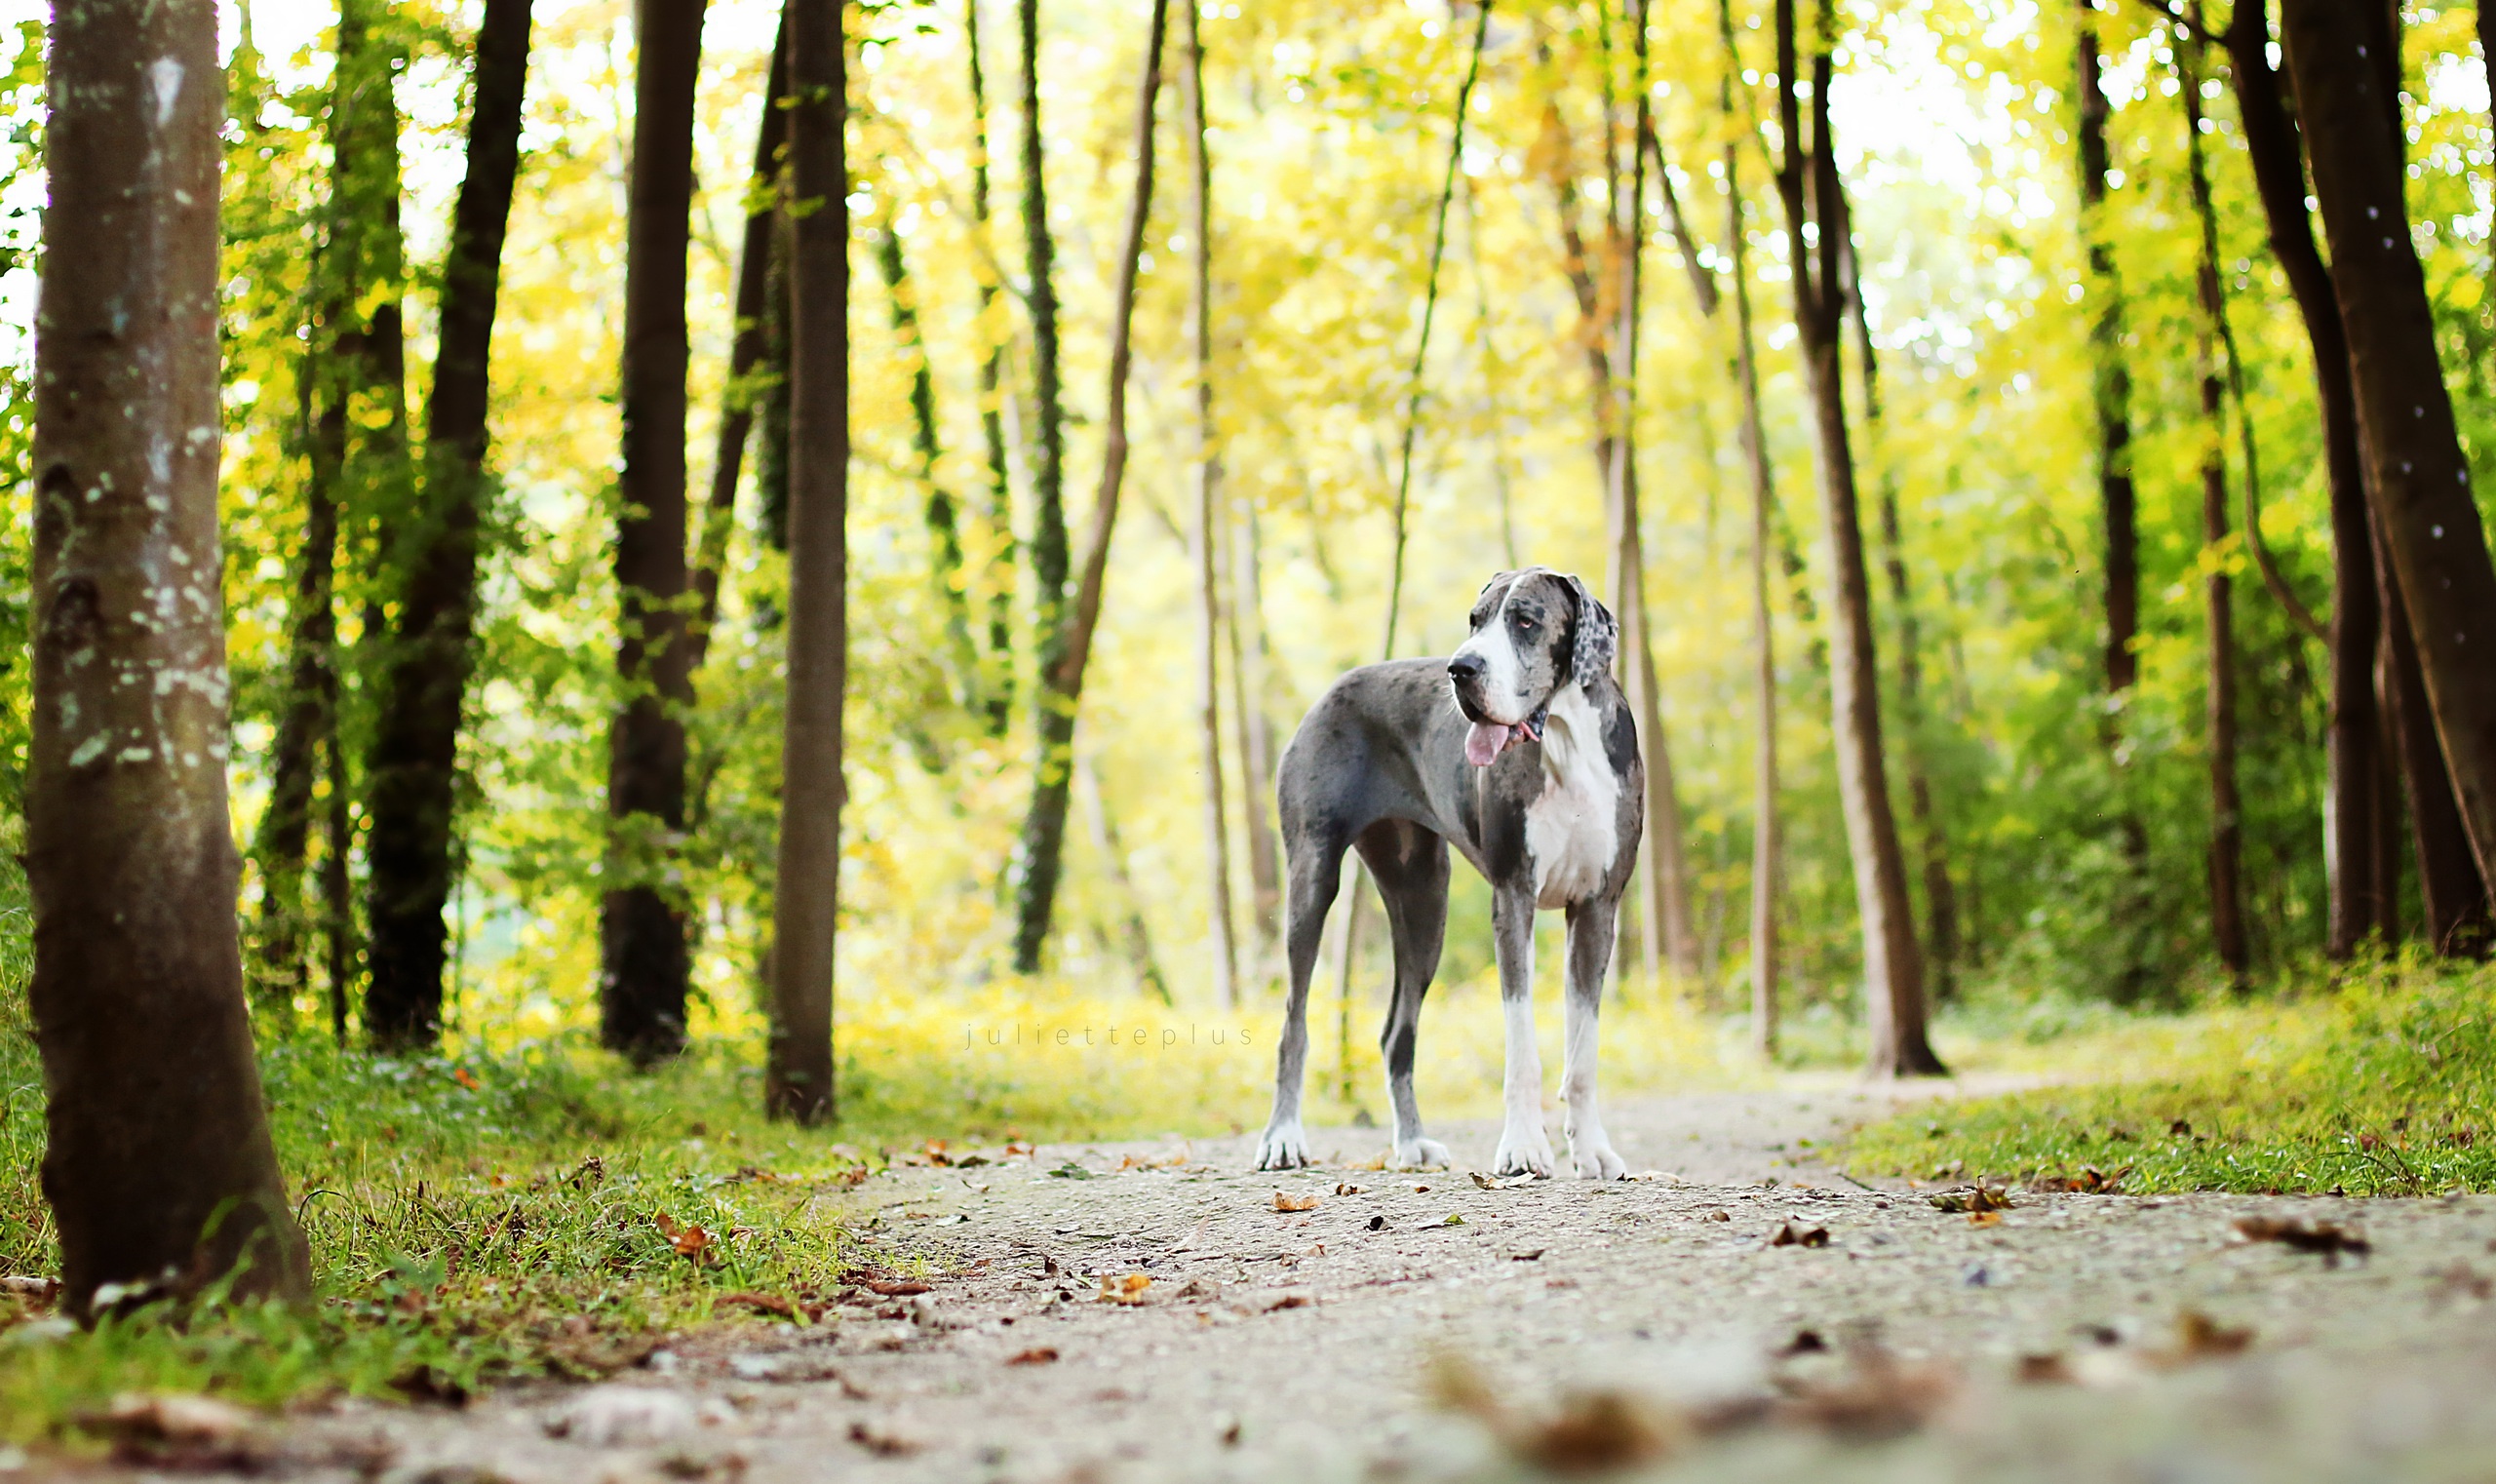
(1299, 1346)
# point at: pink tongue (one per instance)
(1483, 742)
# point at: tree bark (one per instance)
(1894, 977)
(413, 772)
(348, 359)
(643, 959)
(2113, 381)
(806, 891)
(1941, 898)
(1040, 848)
(1066, 647)
(158, 1161)
(1766, 865)
(2227, 830)
(997, 686)
(946, 577)
(2416, 472)
(2118, 500)
(2456, 899)
(1201, 531)
(747, 349)
(1250, 659)
(2352, 731)
(1667, 876)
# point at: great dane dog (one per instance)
(1520, 751)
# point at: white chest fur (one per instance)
(1573, 830)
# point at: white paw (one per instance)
(1284, 1147)
(1595, 1161)
(1421, 1154)
(1524, 1151)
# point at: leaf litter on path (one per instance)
(2329, 1238)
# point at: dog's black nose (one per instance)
(1467, 668)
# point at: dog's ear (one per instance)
(1598, 636)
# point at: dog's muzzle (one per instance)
(1485, 740)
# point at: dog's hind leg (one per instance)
(1410, 865)
(1590, 934)
(1315, 858)
(1524, 1147)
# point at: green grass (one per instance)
(2385, 1085)
(469, 1219)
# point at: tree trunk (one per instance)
(2456, 899)
(999, 681)
(1894, 977)
(2118, 503)
(1667, 877)
(946, 577)
(2227, 830)
(347, 360)
(746, 350)
(2352, 731)
(1065, 648)
(1941, 899)
(2113, 376)
(1250, 657)
(412, 771)
(159, 1160)
(1766, 866)
(1201, 532)
(643, 961)
(807, 890)
(1040, 848)
(2417, 474)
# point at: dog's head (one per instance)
(1536, 633)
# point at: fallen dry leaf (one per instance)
(2199, 1337)
(1127, 1290)
(176, 1430)
(1284, 1202)
(761, 1303)
(1295, 1301)
(1972, 1198)
(883, 1445)
(1590, 1432)
(1880, 1395)
(1039, 1354)
(1718, 1216)
(2090, 1181)
(1346, 1188)
(1789, 1234)
(1984, 1218)
(687, 1240)
(2329, 1238)
(895, 1288)
(1499, 1182)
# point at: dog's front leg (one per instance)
(1524, 1147)
(1591, 935)
(1284, 1147)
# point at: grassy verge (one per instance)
(2385, 1085)
(470, 1219)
